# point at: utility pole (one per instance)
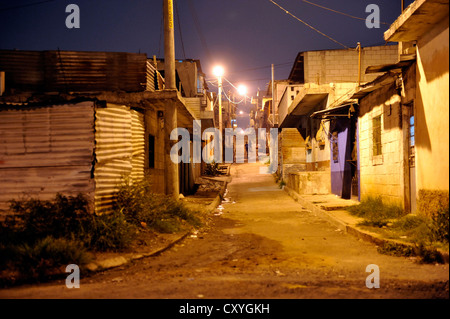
(403, 5)
(169, 45)
(359, 63)
(170, 112)
(273, 95)
(220, 105)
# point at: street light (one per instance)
(218, 71)
(242, 90)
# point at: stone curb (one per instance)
(122, 260)
(353, 230)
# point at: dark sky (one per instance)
(245, 36)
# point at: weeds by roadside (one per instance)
(427, 235)
(39, 238)
(141, 207)
(375, 212)
(212, 169)
(279, 180)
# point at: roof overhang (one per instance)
(389, 67)
(383, 80)
(307, 100)
(417, 20)
(304, 103)
(344, 110)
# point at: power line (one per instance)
(286, 64)
(25, 5)
(308, 25)
(263, 67)
(339, 12)
(199, 29)
(179, 28)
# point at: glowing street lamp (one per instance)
(242, 90)
(219, 71)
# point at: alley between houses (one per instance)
(263, 244)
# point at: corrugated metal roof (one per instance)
(66, 71)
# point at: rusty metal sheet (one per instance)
(67, 71)
(120, 151)
(46, 150)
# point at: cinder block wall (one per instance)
(292, 148)
(338, 66)
(382, 175)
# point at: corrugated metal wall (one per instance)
(151, 76)
(138, 145)
(46, 150)
(120, 144)
(73, 71)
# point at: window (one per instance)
(151, 151)
(376, 136)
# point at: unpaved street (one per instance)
(264, 245)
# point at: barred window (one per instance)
(376, 135)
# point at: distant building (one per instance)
(316, 152)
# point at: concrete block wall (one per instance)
(337, 66)
(382, 175)
(292, 150)
(310, 183)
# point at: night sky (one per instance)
(245, 36)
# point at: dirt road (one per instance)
(263, 245)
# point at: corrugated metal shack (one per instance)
(74, 122)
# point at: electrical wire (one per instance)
(179, 28)
(308, 25)
(339, 12)
(263, 67)
(199, 29)
(234, 102)
(25, 5)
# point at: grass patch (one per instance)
(64, 217)
(47, 257)
(40, 238)
(375, 212)
(426, 235)
(162, 213)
